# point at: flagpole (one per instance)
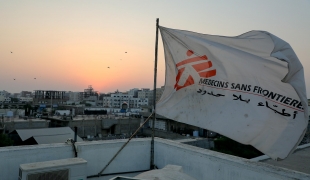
(152, 165)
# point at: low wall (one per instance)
(25, 124)
(196, 162)
(198, 142)
(161, 134)
(86, 127)
(134, 157)
(127, 126)
(205, 164)
(93, 126)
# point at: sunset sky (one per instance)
(68, 45)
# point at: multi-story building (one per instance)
(25, 94)
(89, 94)
(16, 95)
(4, 99)
(144, 93)
(75, 96)
(159, 92)
(123, 100)
(1, 98)
(49, 97)
(149, 94)
(133, 92)
(4, 93)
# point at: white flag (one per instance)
(249, 88)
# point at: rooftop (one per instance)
(298, 161)
(47, 135)
(135, 158)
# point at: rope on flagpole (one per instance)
(99, 174)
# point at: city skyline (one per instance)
(110, 44)
(115, 91)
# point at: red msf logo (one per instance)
(199, 64)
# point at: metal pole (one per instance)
(75, 133)
(152, 165)
(51, 104)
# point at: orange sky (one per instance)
(68, 45)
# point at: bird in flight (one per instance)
(108, 67)
(125, 52)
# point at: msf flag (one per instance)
(249, 88)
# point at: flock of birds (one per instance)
(15, 79)
(121, 59)
(35, 78)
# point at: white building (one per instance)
(123, 101)
(25, 99)
(4, 99)
(7, 99)
(4, 93)
(133, 92)
(149, 94)
(145, 93)
(133, 99)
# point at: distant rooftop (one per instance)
(298, 161)
(47, 135)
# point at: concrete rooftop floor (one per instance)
(298, 161)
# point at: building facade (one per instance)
(133, 92)
(25, 94)
(159, 92)
(75, 96)
(89, 94)
(123, 100)
(145, 93)
(49, 97)
(25, 99)
(149, 94)
(4, 93)
(4, 99)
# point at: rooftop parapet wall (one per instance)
(206, 164)
(134, 157)
(12, 157)
(196, 162)
(25, 124)
(88, 125)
